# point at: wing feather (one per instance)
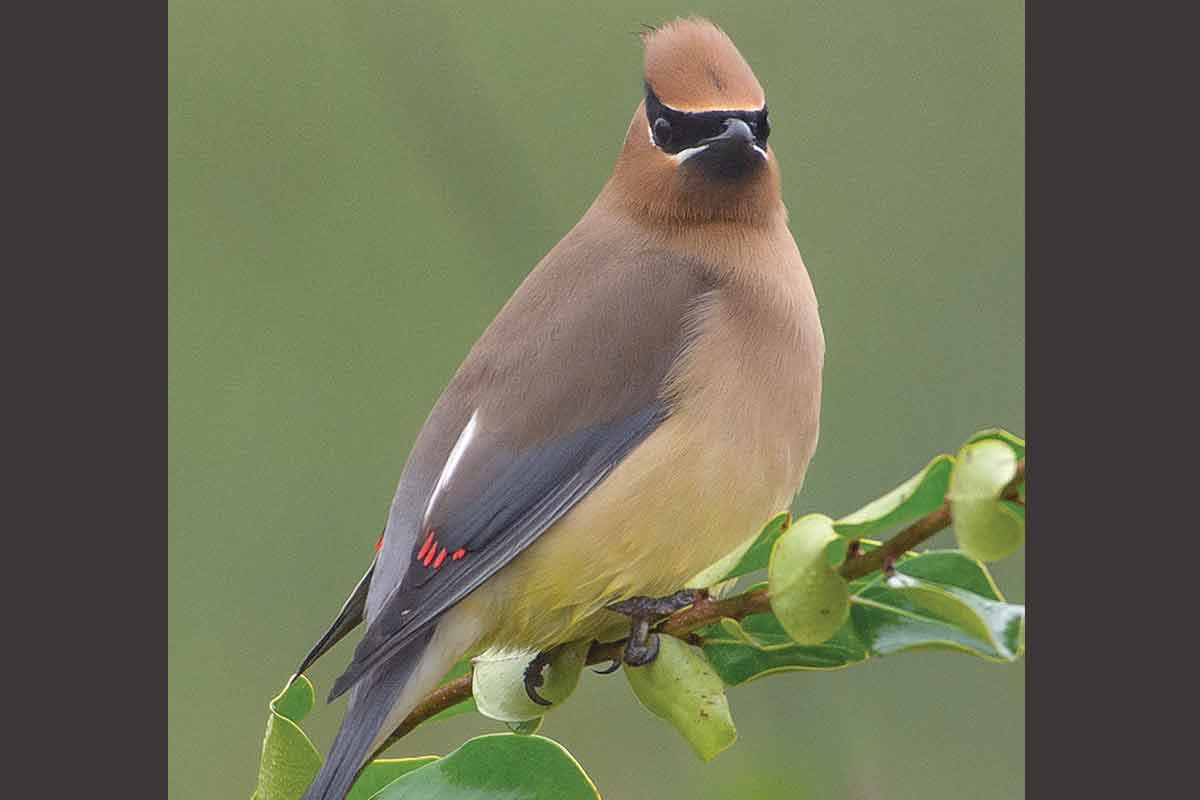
(499, 526)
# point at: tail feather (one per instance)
(347, 620)
(372, 701)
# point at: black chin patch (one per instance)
(726, 161)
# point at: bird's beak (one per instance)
(736, 134)
(729, 155)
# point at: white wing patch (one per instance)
(456, 454)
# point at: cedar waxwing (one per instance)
(647, 397)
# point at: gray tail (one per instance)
(370, 702)
(347, 620)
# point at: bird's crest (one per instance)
(692, 65)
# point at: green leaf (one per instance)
(808, 597)
(289, 760)
(466, 706)
(295, 701)
(498, 682)
(500, 765)
(941, 600)
(949, 568)
(760, 646)
(380, 772)
(747, 558)
(917, 496)
(681, 687)
(985, 528)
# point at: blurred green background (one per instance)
(356, 188)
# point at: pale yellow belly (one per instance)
(682, 500)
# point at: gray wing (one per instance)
(564, 384)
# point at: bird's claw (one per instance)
(534, 678)
(610, 669)
(639, 654)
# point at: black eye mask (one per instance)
(674, 131)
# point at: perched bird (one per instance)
(644, 401)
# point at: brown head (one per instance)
(696, 150)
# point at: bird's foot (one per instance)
(534, 678)
(654, 607)
(642, 647)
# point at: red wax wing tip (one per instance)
(425, 547)
(441, 557)
(459, 553)
(379, 541)
(429, 556)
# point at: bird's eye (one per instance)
(662, 131)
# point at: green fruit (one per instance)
(680, 686)
(811, 600)
(987, 528)
(498, 682)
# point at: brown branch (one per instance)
(707, 611)
(924, 528)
